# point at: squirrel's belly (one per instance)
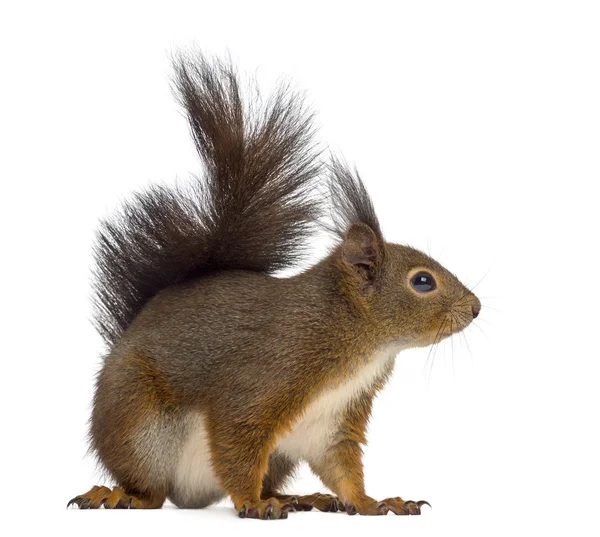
(195, 483)
(316, 430)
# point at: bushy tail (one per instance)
(253, 208)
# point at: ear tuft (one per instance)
(362, 250)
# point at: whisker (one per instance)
(479, 328)
(432, 350)
(452, 318)
(472, 321)
(464, 337)
(471, 357)
(470, 290)
(436, 345)
(487, 321)
(488, 307)
(433, 345)
(482, 278)
(468, 318)
(462, 314)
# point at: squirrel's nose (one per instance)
(476, 308)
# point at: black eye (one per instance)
(423, 282)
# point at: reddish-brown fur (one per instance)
(206, 331)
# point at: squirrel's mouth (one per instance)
(453, 322)
(462, 316)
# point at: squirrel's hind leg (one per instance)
(116, 498)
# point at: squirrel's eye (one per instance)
(423, 282)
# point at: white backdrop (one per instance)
(475, 126)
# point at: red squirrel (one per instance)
(220, 377)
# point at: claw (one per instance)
(242, 513)
(81, 503)
(421, 503)
(284, 510)
(411, 508)
(267, 512)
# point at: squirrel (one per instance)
(221, 375)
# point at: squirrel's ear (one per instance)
(363, 251)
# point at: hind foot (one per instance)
(117, 498)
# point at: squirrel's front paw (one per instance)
(271, 509)
(396, 505)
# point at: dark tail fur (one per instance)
(252, 209)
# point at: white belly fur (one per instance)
(308, 439)
(194, 476)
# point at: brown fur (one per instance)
(207, 331)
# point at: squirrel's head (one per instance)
(410, 297)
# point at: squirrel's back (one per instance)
(253, 207)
